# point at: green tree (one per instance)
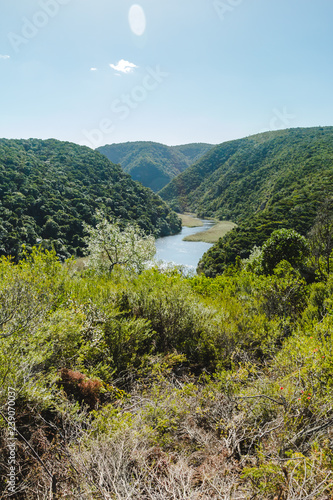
(284, 244)
(108, 245)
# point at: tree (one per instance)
(321, 236)
(284, 244)
(108, 245)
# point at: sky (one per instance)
(99, 72)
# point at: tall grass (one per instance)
(212, 234)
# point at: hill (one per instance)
(151, 163)
(48, 188)
(263, 182)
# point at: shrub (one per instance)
(177, 317)
(284, 244)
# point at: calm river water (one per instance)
(172, 249)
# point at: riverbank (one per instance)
(190, 220)
(173, 249)
(212, 234)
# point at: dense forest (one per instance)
(151, 385)
(154, 164)
(263, 182)
(49, 188)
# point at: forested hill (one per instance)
(154, 164)
(48, 188)
(263, 182)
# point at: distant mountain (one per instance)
(151, 163)
(48, 188)
(193, 152)
(263, 182)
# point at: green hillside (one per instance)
(262, 182)
(151, 163)
(48, 188)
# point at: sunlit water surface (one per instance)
(173, 250)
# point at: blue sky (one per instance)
(173, 71)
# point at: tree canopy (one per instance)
(284, 244)
(49, 188)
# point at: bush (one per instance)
(284, 244)
(176, 315)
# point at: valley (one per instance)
(50, 188)
(154, 164)
(261, 183)
(129, 380)
(166, 250)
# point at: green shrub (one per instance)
(284, 244)
(177, 317)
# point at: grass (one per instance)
(213, 234)
(189, 220)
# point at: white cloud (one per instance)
(93, 69)
(124, 66)
(4, 57)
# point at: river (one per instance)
(172, 249)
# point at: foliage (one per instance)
(284, 244)
(77, 384)
(108, 245)
(175, 315)
(154, 385)
(321, 237)
(151, 163)
(284, 293)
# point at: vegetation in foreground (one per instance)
(156, 386)
(213, 234)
